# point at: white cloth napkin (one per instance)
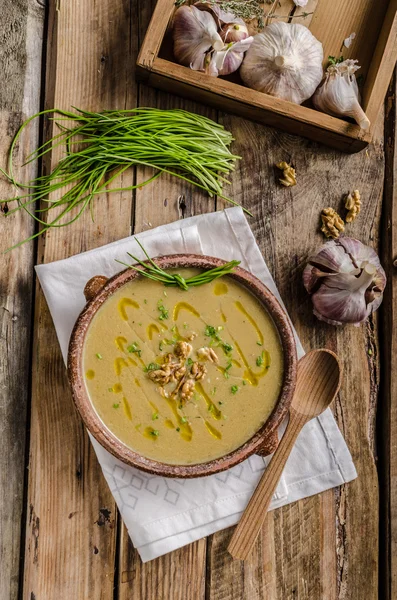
(163, 514)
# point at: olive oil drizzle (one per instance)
(184, 306)
(127, 408)
(123, 304)
(214, 432)
(119, 365)
(254, 324)
(214, 410)
(220, 288)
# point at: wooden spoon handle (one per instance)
(254, 515)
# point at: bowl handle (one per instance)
(93, 286)
(269, 445)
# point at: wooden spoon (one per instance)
(318, 382)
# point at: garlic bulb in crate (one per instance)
(338, 94)
(284, 61)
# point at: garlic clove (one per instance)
(345, 280)
(228, 59)
(285, 61)
(234, 32)
(338, 95)
(194, 33)
(231, 63)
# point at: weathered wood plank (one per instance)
(388, 408)
(312, 558)
(71, 533)
(179, 575)
(21, 31)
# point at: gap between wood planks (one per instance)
(386, 426)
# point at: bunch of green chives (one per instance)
(101, 146)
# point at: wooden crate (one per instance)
(331, 21)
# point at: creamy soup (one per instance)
(183, 377)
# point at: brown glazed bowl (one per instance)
(264, 442)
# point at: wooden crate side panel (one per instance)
(155, 32)
(382, 65)
(262, 115)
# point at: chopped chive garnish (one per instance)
(110, 389)
(227, 348)
(183, 420)
(163, 311)
(155, 416)
(155, 432)
(220, 402)
(189, 361)
(259, 343)
(234, 389)
(134, 349)
(216, 340)
(178, 428)
(145, 301)
(116, 405)
(151, 367)
(261, 359)
(213, 391)
(99, 356)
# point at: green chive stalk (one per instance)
(152, 271)
(100, 146)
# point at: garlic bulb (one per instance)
(338, 94)
(194, 33)
(345, 280)
(198, 45)
(284, 61)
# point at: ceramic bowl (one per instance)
(264, 442)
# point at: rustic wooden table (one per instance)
(60, 534)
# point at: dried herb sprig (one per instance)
(153, 271)
(99, 146)
(245, 9)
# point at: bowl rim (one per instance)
(118, 448)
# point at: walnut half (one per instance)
(332, 223)
(206, 353)
(182, 349)
(352, 205)
(198, 371)
(187, 390)
(289, 175)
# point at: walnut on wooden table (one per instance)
(289, 174)
(352, 205)
(332, 223)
